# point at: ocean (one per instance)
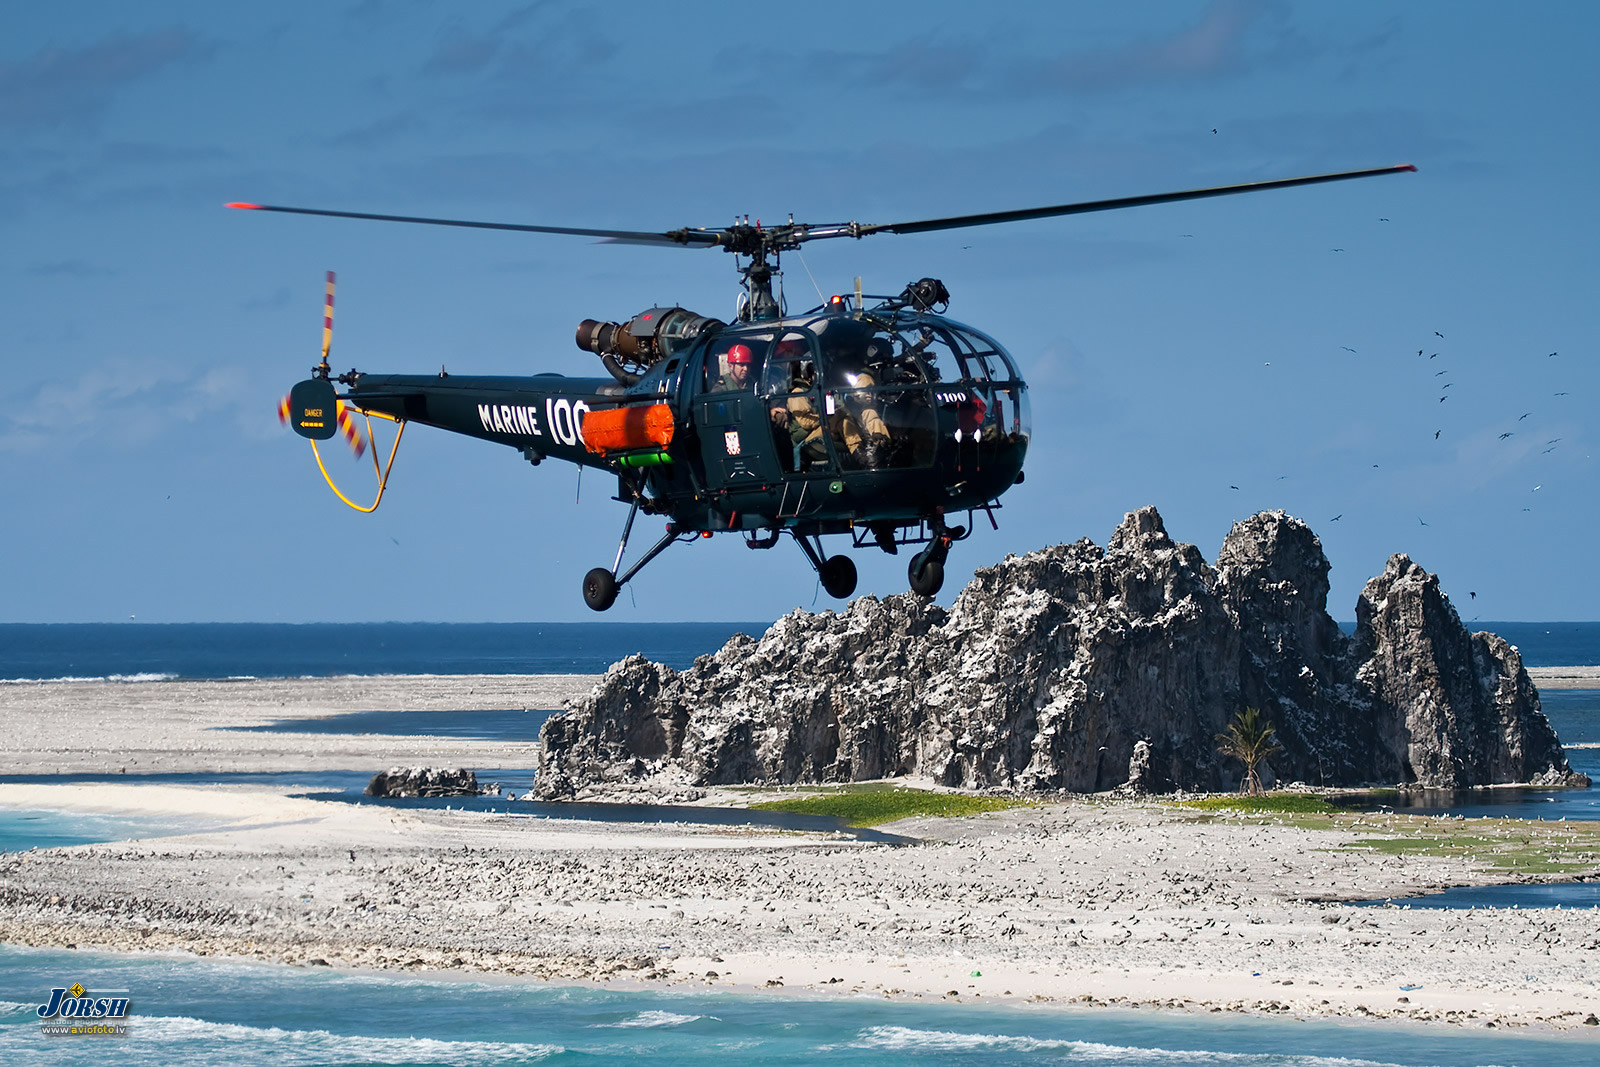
(45, 652)
(193, 1010)
(51, 651)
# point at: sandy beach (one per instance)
(1080, 900)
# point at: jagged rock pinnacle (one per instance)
(1082, 669)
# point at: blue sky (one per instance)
(1266, 342)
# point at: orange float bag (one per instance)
(628, 429)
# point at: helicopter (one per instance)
(872, 416)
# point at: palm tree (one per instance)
(1251, 740)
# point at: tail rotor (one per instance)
(314, 410)
(312, 407)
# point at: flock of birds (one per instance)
(1549, 446)
(1512, 429)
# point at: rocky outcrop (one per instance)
(1083, 669)
(423, 782)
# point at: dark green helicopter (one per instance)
(872, 416)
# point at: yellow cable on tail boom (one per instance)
(383, 473)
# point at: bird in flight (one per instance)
(1336, 250)
(1434, 356)
(1337, 517)
(1383, 220)
(1233, 487)
(1551, 354)
(1347, 348)
(1506, 435)
(1473, 595)
(1442, 399)
(1523, 416)
(1439, 372)
(1419, 519)
(1561, 394)
(1436, 434)
(1436, 333)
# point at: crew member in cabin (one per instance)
(737, 377)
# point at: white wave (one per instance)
(172, 1034)
(906, 1039)
(99, 678)
(657, 1018)
(1582, 744)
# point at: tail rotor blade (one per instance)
(327, 322)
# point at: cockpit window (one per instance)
(873, 390)
(792, 366)
(735, 363)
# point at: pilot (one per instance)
(738, 376)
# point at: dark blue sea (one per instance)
(42, 652)
(320, 649)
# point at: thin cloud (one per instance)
(76, 86)
(377, 133)
(1230, 38)
(123, 400)
(464, 52)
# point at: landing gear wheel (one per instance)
(599, 589)
(926, 573)
(838, 574)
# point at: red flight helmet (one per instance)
(739, 354)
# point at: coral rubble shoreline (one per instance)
(1131, 904)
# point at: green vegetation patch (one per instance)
(1512, 845)
(1271, 804)
(872, 807)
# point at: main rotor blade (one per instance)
(958, 221)
(706, 238)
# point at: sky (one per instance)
(1281, 350)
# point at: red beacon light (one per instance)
(836, 300)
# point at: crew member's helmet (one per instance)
(739, 354)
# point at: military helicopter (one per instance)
(875, 417)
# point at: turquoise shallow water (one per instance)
(198, 1011)
(25, 828)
